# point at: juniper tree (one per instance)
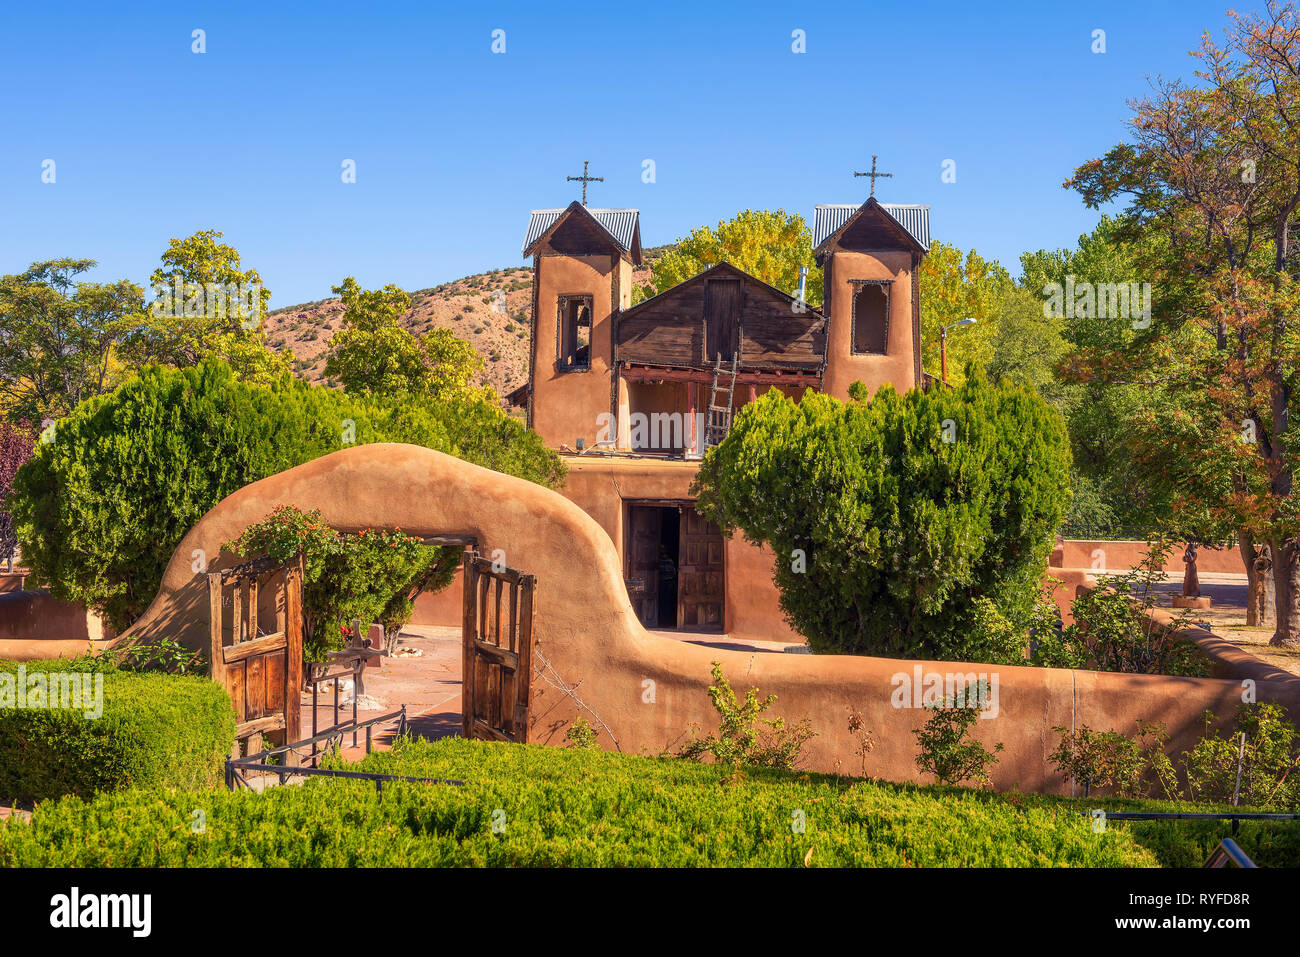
(891, 517)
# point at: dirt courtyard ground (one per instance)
(1226, 617)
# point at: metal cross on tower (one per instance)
(874, 175)
(585, 179)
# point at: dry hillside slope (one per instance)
(466, 306)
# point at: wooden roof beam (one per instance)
(637, 372)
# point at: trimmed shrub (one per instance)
(891, 518)
(566, 807)
(154, 730)
(100, 509)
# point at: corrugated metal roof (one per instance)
(621, 223)
(915, 219)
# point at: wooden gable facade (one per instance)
(720, 313)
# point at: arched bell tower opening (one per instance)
(870, 334)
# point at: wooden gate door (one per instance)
(262, 671)
(497, 664)
(700, 580)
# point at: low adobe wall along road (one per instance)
(1117, 557)
(34, 624)
(642, 692)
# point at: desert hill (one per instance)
(466, 306)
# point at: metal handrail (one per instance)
(1236, 817)
(379, 779)
(1229, 853)
(257, 761)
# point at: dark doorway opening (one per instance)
(670, 529)
(674, 567)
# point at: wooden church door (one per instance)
(700, 580)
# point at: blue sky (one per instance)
(454, 144)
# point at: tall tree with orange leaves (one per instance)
(1211, 178)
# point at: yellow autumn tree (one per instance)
(956, 285)
(768, 244)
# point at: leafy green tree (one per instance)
(956, 286)
(59, 337)
(15, 449)
(889, 518)
(369, 309)
(373, 354)
(1026, 347)
(1111, 491)
(205, 303)
(100, 509)
(373, 575)
(770, 245)
(1207, 173)
(451, 362)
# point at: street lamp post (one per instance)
(943, 345)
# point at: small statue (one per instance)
(1191, 584)
(1259, 610)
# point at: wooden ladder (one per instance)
(719, 420)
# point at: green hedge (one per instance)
(154, 730)
(900, 522)
(562, 807)
(571, 807)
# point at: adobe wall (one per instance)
(600, 486)
(1071, 583)
(440, 607)
(14, 581)
(843, 368)
(565, 405)
(1121, 556)
(587, 634)
(34, 624)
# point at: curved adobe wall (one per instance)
(588, 637)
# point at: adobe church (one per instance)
(632, 395)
